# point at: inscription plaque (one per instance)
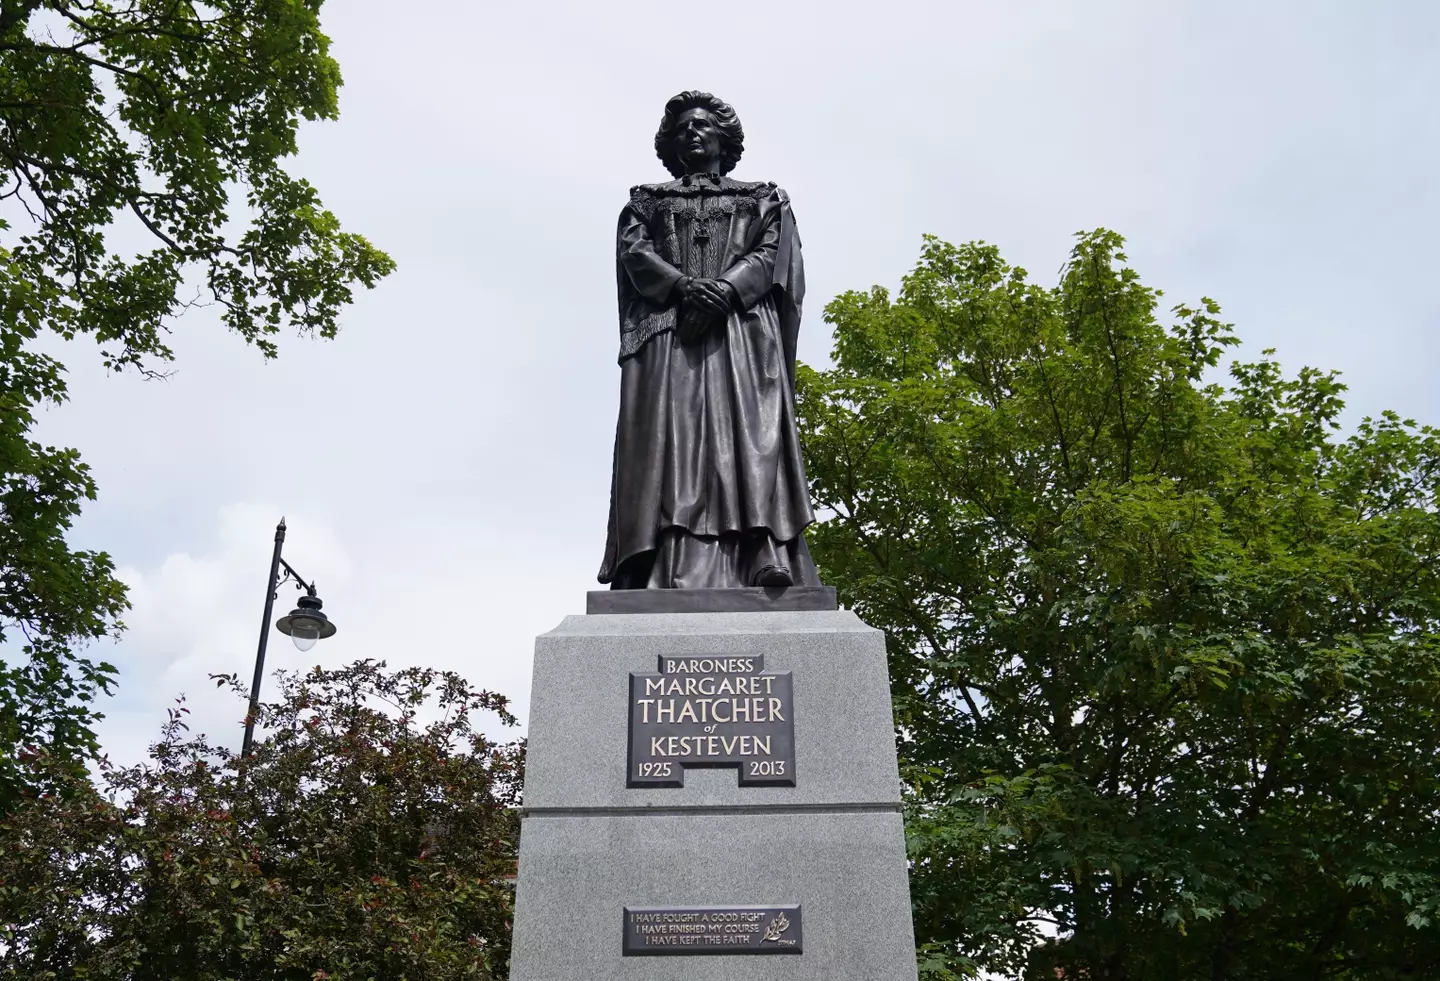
(711, 710)
(712, 930)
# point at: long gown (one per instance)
(708, 486)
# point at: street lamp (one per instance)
(304, 625)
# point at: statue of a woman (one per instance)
(708, 487)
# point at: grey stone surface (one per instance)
(844, 730)
(747, 600)
(846, 869)
(834, 843)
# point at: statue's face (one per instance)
(697, 140)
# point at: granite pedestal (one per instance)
(833, 843)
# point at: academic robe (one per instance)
(708, 486)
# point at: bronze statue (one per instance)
(708, 488)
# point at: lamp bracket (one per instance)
(291, 575)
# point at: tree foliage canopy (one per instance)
(140, 172)
(371, 835)
(1164, 652)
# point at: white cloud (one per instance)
(194, 615)
(410, 594)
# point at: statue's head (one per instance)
(699, 133)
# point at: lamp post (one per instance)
(305, 625)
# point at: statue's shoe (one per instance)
(774, 575)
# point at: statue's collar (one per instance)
(700, 184)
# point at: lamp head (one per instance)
(306, 624)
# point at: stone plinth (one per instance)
(833, 843)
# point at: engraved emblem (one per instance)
(777, 926)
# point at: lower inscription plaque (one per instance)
(712, 930)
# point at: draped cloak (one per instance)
(708, 486)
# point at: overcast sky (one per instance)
(444, 464)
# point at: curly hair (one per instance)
(732, 134)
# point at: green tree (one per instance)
(360, 841)
(140, 172)
(1164, 651)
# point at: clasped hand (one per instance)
(712, 296)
